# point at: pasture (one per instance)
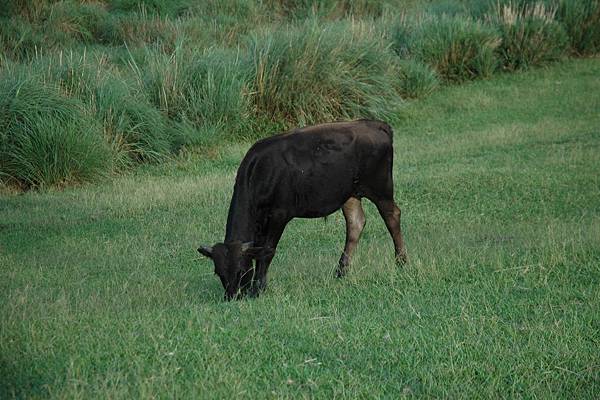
(102, 293)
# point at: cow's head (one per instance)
(233, 264)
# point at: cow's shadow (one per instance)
(204, 288)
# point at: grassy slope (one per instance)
(102, 293)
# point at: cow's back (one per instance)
(312, 171)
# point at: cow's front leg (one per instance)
(260, 282)
(355, 223)
(277, 224)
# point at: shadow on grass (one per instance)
(21, 378)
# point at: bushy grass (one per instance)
(458, 47)
(66, 24)
(203, 89)
(19, 40)
(416, 79)
(530, 35)
(330, 9)
(160, 7)
(46, 138)
(131, 124)
(155, 75)
(71, 21)
(28, 9)
(96, 106)
(581, 19)
(133, 127)
(144, 29)
(316, 73)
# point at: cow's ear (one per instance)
(258, 253)
(206, 251)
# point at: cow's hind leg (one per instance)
(355, 222)
(390, 213)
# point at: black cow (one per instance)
(305, 173)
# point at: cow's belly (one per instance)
(318, 213)
(319, 195)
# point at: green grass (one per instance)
(103, 294)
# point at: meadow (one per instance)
(104, 295)
(122, 124)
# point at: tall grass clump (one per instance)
(224, 22)
(18, 39)
(46, 138)
(316, 73)
(171, 8)
(458, 47)
(143, 28)
(134, 128)
(581, 19)
(331, 9)
(416, 79)
(71, 22)
(530, 35)
(30, 29)
(205, 89)
(31, 10)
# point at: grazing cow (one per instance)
(305, 173)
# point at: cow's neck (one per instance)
(241, 219)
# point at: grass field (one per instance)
(102, 293)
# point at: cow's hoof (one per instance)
(401, 260)
(253, 292)
(256, 288)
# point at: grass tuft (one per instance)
(581, 19)
(46, 138)
(416, 79)
(70, 22)
(205, 90)
(133, 127)
(458, 47)
(530, 35)
(131, 124)
(26, 9)
(316, 73)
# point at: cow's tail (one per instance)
(382, 126)
(388, 130)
